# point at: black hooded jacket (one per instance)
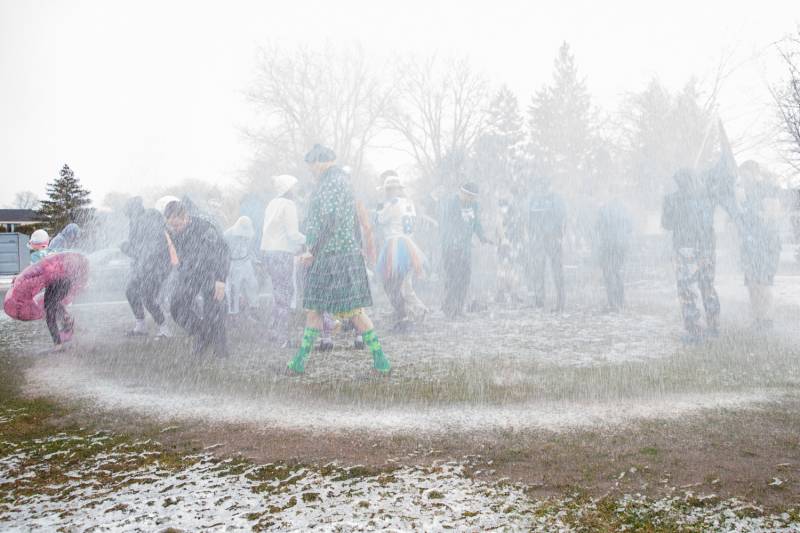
(202, 250)
(147, 242)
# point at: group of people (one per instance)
(324, 261)
(688, 213)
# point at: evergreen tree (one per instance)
(495, 149)
(663, 132)
(562, 126)
(66, 202)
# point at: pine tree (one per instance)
(663, 132)
(495, 147)
(67, 202)
(561, 125)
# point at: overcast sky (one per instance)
(137, 94)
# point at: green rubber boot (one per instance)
(381, 363)
(379, 360)
(298, 362)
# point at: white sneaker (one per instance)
(164, 332)
(139, 329)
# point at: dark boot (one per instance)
(221, 346)
(200, 345)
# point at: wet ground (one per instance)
(610, 403)
(505, 367)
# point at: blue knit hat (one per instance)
(320, 154)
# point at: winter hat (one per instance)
(162, 202)
(320, 154)
(392, 182)
(39, 240)
(241, 228)
(470, 189)
(283, 183)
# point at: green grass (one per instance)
(733, 364)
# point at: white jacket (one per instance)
(281, 233)
(393, 215)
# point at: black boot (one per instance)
(221, 349)
(200, 345)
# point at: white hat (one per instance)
(39, 240)
(40, 236)
(242, 228)
(283, 184)
(162, 202)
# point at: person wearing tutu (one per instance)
(400, 258)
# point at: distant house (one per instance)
(12, 219)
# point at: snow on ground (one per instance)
(99, 482)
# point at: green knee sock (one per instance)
(379, 360)
(297, 364)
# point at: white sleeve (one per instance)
(292, 225)
(383, 214)
(264, 227)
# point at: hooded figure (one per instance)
(66, 239)
(241, 283)
(760, 247)
(614, 231)
(148, 249)
(547, 218)
(689, 214)
(62, 276)
(203, 264)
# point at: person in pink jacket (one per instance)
(61, 276)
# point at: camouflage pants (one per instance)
(696, 268)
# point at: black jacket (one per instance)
(147, 242)
(690, 217)
(202, 250)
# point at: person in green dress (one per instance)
(336, 278)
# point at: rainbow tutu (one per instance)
(399, 256)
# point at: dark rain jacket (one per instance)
(690, 218)
(458, 222)
(147, 242)
(202, 250)
(614, 228)
(547, 218)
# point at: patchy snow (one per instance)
(137, 487)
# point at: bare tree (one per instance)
(304, 96)
(787, 98)
(441, 110)
(26, 200)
